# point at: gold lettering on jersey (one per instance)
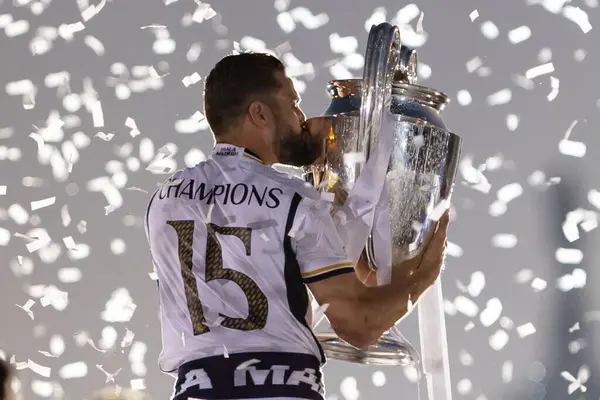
(258, 305)
(185, 238)
(230, 193)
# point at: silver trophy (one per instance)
(420, 178)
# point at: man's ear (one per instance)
(260, 114)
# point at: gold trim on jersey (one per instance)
(327, 268)
(250, 156)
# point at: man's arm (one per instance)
(360, 314)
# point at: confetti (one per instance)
(578, 16)
(474, 15)
(73, 370)
(191, 79)
(97, 114)
(539, 70)
(519, 34)
(555, 85)
(526, 330)
(92, 11)
(569, 256)
(503, 96)
(39, 369)
(491, 313)
(27, 307)
(36, 205)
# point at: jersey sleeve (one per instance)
(319, 249)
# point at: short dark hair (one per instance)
(235, 82)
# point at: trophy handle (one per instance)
(382, 63)
(382, 60)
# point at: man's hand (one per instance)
(425, 268)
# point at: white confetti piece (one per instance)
(477, 284)
(349, 388)
(466, 306)
(491, 313)
(498, 340)
(526, 330)
(465, 358)
(578, 16)
(41, 241)
(569, 256)
(464, 97)
(474, 15)
(454, 250)
(191, 79)
(16, 28)
(577, 383)
(509, 192)
(503, 96)
(104, 136)
(555, 86)
(3, 189)
(97, 114)
(593, 197)
(489, 30)
(120, 307)
(47, 354)
(504, 240)
(572, 148)
(507, 371)
(39, 369)
(73, 370)
(519, 34)
(27, 307)
(36, 205)
(128, 338)
(474, 64)
(539, 70)
(574, 328)
(95, 44)
(92, 11)
(538, 284)
(203, 12)
(69, 275)
(138, 384)
(69, 243)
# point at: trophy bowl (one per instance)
(420, 175)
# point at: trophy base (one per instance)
(388, 350)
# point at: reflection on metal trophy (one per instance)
(420, 175)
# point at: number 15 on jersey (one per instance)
(258, 306)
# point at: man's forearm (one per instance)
(385, 305)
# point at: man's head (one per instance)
(249, 101)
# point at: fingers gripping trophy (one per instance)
(390, 164)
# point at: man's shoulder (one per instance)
(287, 181)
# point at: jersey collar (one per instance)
(229, 150)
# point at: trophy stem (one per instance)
(434, 344)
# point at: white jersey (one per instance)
(233, 244)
